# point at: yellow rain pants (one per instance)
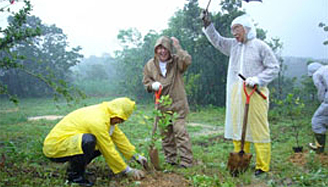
(257, 130)
(262, 151)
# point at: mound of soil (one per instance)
(301, 158)
(323, 159)
(159, 179)
(105, 177)
(298, 158)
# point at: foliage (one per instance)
(130, 61)
(11, 35)
(293, 108)
(97, 76)
(325, 29)
(162, 118)
(25, 165)
(279, 86)
(205, 79)
(34, 59)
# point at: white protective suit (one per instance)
(253, 58)
(320, 80)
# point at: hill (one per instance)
(297, 66)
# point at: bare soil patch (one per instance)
(323, 159)
(159, 179)
(152, 179)
(47, 117)
(301, 158)
(9, 110)
(207, 129)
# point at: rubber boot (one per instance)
(76, 171)
(319, 145)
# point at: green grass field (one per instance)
(23, 164)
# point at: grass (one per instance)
(24, 165)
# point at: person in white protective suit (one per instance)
(255, 60)
(319, 74)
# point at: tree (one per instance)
(131, 60)
(325, 28)
(30, 49)
(205, 80)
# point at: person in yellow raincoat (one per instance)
(89, 132)
(255, 60)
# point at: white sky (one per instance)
(94, 25)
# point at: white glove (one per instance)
(135, 173)
(252, 81)
(204, 15)
(140, 159)
(156, 85)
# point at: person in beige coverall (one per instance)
(166, 70)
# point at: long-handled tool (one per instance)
(257, 90)
(239, 162)
(208, 5)
(153, 152)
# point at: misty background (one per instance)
(100, 48)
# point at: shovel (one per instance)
(153, 152)
(239, 162)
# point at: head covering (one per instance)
(165, 42)
(248, 25)
(313, 67)
(121, 108)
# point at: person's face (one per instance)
(116, 120)
(238, 32)
(162, 53)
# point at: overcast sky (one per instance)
(94, 25)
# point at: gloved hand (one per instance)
(140, 159)
(252, 81)
(205, 16)
(135, 173)
(156, 85)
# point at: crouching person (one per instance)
(89, 132)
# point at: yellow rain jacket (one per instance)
(66, 137)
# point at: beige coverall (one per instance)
(177, 138)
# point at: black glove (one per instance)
(205, 16)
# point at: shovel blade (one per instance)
(154, 158)
(238, 162)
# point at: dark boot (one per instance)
(319, 145)
(76, 173)
(78, 163)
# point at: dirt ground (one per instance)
(206, 129)
(301, 158)
(48, 117)
(160, 179)
(298, 158)
(152, 179)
